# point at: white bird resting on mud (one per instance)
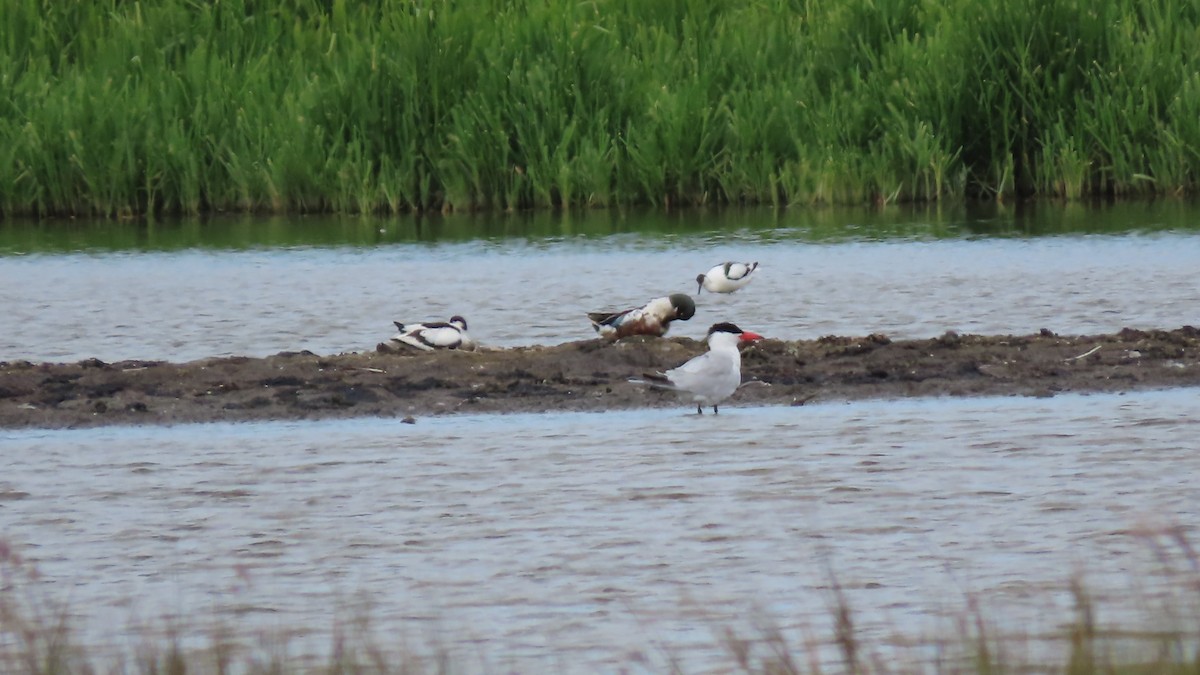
(713, 376)
(429, 336)
(653, 319)
(726, 277)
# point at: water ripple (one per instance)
(193, 304)
(557, 543)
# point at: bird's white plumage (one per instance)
(726, 277)
(429, 336)
(710, 378)
(713, 376)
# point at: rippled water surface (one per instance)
(589, 542)
(907, 275)
(576, 542)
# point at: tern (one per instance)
(712, 377)
(435, 334)
(652, 319)
(726, 277)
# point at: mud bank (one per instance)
(587, 375)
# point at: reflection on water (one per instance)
(937, 221)
(569, 542)
(196, 303)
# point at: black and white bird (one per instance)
(435, 334)
(652, 319)
(712, 377)
(726, 277)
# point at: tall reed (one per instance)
(116, 108)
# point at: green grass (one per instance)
(119, 108)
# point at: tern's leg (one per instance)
(699, 409)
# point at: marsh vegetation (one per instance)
(37, 637)
(115, 108)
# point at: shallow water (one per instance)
(586, 542)
(905, 274)
(577, 542)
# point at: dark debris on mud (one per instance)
(583, 376)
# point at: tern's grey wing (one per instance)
(704, 363)
(712, 376)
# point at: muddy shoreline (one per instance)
(583, 376)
